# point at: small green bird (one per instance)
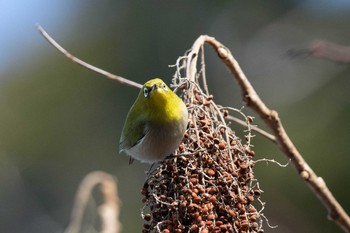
(155, 124)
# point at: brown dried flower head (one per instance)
(208, 185)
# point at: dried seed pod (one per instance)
(210, 97)
(194, 228)
(147, 217)
(253, 217)
(222, 145)
(211, 172)
(250, 119)
(209, 186)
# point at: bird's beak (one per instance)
(154, 87)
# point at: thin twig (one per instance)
(254, 128)
(203, 71)
(270, 117)
(272, 161)
(84, 64)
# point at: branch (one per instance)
(84, 64)
(109, 210)
(270, 117)
(254, 128)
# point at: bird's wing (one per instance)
(132, 135)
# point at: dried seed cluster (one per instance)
(209, 186)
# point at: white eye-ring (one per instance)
(145, 92)
(164, 87)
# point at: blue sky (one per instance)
(18, 37)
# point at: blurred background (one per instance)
(59, 121)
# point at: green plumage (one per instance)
(155, 123)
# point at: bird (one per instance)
(155, 124)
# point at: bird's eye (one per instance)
(164, 87)
(145, 92)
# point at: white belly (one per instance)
(158, 142)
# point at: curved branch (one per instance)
(270, 117)
(84, 64)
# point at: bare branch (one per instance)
(109, 210)
(84, 64)
(270, 117)
(254, 128)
